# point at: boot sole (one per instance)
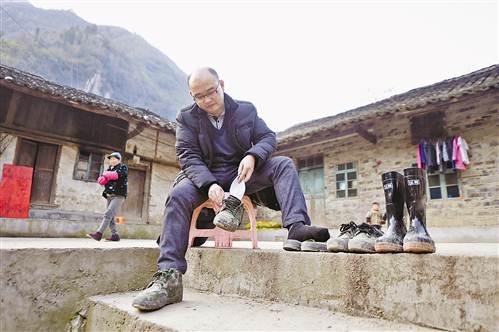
(388, 247)
(146, 308)
(337, 246)
(359, 246)
(222, 226)
(313, 246)
(419, 247)
(292, 245)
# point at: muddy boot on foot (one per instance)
(299, 232)
(393, 239)
(364, 238)
(417, 239)
(165, 288)
(230, 215)
(340, 243)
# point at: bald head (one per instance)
(207, 90)
(202, 74)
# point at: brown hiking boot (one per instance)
(97, 236)
(113, 237)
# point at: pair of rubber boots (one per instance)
(408, 189)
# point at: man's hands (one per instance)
(216, 194)
(246, 168)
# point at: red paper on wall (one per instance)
(15, 191)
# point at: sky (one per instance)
(302, 60)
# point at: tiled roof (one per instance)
(79, 97)
(475, 82)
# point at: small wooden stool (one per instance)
(223, 239)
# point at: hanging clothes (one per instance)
(422, 156)
(463, 147)
(431, 157)
(440, 161)
(418, 159)
(437, 150)
(457, 154)
(449, 143)
(445, 152)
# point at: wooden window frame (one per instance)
(346, 170)
(91, 153)
(443, 185)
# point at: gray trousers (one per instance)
(278, 172)
(113, 205)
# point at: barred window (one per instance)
(88, 166)
(346, 180)
(443, 185)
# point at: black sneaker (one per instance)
(340, 243)
(364, 239)
(230, 215)
(299, 232)
(165, 288)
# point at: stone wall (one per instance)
(473, 117)
(161, 182)
(76, 195)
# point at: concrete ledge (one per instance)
(70, 228)
(79, 225)
(45, 285)
(45, 282)
(455, 290)
(209, 312)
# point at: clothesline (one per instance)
(441, 154)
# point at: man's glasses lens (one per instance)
(210, 93)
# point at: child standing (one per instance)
(375, 217)
(115, 180)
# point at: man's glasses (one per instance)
(210, 93)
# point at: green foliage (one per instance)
(265, 224)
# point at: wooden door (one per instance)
(42, 157)
(312, 182)
(133, 207)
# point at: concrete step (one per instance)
(455, 289)
(45, 282)
(208, 312)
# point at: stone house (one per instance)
(340, 158)
(64, 134)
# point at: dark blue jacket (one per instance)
(194, 148)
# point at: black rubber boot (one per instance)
(417, 239)
(393, 239)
